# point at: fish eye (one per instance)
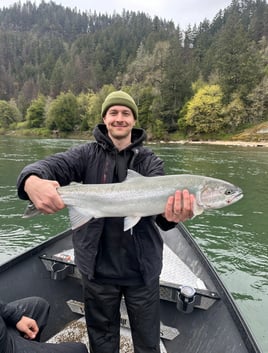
(229, 192)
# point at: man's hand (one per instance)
(28, 326)
(43, 194)
(179, 207)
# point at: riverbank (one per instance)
(223, 143)
(253, 137)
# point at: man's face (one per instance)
(119, 121)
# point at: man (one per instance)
(21, 324)
(112, 262)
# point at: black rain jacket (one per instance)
(10, 314)
(96, 163)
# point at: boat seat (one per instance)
(174, 272)
(175, 275)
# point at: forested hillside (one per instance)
(210, 79)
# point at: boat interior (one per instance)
(178, 284)
(198, 314)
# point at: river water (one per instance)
(233, 238)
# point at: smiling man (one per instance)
(119, 112)
(113, 263)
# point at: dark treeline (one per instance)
(211, 78)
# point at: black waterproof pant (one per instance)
(102, 312)
(11, 341)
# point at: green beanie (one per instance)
(119, 98)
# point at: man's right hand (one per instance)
(43, 194)
(28, 326)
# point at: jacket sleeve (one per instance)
(10, 314)
(63, 167)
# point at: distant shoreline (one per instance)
(182, 142)
(220, 142)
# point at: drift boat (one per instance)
(198, 313)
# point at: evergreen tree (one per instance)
(176, 86)
(48, 50)
(237, 59)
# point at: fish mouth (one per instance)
(237, 197)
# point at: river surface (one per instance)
(234, 238)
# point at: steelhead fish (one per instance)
(139, 196)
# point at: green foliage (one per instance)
(9, 114)
(35, 115)
(48, 50)
(148, 67)
(158, 130)
(204, 111)
(176, 84)
(144, 97)
(63, 113)
(235, 114)
(82, 102)
(94, 106)
(237, 58)
(257, 107)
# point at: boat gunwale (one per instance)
(225, 295)
(34, 250)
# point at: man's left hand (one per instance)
(179, 207)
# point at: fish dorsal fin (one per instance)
(197, 208)
(131, 175)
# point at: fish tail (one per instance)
(31, 211)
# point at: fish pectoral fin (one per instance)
(197, 209)
(77, 217)
(130, 222)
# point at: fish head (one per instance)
(218, 194)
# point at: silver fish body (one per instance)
(140, 196)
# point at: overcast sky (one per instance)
(181, 12)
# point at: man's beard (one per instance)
(119, 136)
